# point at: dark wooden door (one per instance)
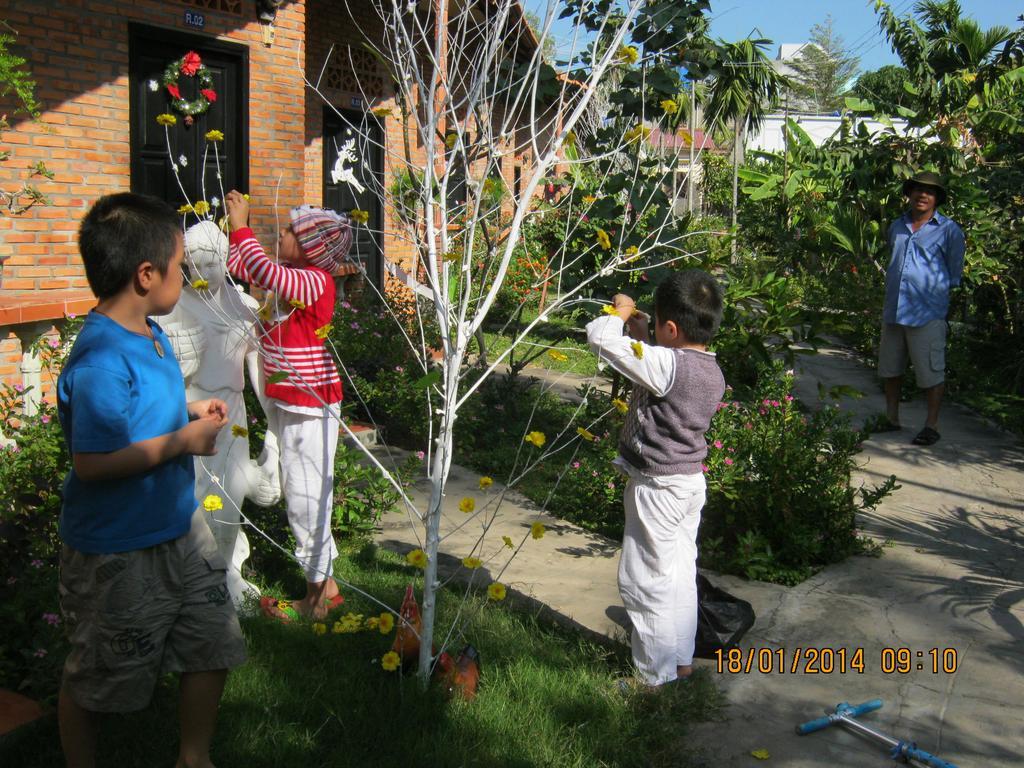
(205, 169)
(367, 168)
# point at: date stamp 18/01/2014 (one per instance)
(827, 661)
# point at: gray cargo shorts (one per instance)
(132, 616)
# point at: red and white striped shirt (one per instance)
(292, 346)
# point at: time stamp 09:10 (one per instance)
(827, 661)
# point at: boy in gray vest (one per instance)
(678, 386)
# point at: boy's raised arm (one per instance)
(649, 366)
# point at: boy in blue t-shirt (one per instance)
(142, 586)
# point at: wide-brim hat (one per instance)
(325, 236)
(927, 179)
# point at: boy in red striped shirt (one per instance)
(302, 381)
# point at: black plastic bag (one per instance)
(722, 619)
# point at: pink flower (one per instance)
(421, 455)
(776, 403)
(611, 485)
(748, 425)
(190, 63)
(40, 653)
(575, 465)
(19, 387)
(54, 343)
(729, 462)
(72, 315)
(346, 305)
(594, 473)
(174, 91)
(703, 467)
(37, 563)
(45, 419)
(789, 398)
(354, 326)
(718, 443)
(762, 411)
(399, 369)
(52, 619)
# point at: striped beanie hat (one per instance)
(324, 236)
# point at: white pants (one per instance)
(658, 571)
(308, 445)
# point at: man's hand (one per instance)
(238, 210)
(211, 410)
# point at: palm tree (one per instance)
(742, 90)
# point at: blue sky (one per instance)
(790, 21)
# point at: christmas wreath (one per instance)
(190, 65)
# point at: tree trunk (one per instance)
(735, 187)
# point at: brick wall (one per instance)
(77, 51)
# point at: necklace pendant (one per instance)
(158, 347)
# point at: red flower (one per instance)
(209, 94)
(190, 63)
(173, 90)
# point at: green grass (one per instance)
(562, 332)
(547, 698)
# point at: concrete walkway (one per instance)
(951, 577)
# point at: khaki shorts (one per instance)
(132, 616)
(926, 347)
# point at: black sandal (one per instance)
(926, 436)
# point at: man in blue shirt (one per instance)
(927, 260)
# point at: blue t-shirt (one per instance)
(116, 390)
(924, 266)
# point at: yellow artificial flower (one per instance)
(186, 208)
(417, 557)
(669, 107)
(637, 133)
(323, 331)
(608, 309)
(337, 628)
(627, 54)
(589, 199)
(603, 240)
(359, 216)
(508, 541)
(201, 207)
(246, 195)
(385, 623)
(264, 313)
(537, 530)
(297, 304)
(638, 349)
(450, 139)
(586, 434)
(536, 439)
(472, 562)
(199, 284)
(632, 253)
(496, 591)
(166, 119)
(761, 754)
(319, 628)
(373, 622)
(212, 503)
(381, 111)
(558, 357)
(486, 482)
(390, 661)
(620, 405)
(467, 505)
(215, 135)
(237, 430)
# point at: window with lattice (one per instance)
(227, 6)
(355, 71)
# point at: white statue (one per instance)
(213, 333)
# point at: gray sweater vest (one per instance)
(665, 435)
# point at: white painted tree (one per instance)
(473, 87)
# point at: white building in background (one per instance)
(771, 137)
